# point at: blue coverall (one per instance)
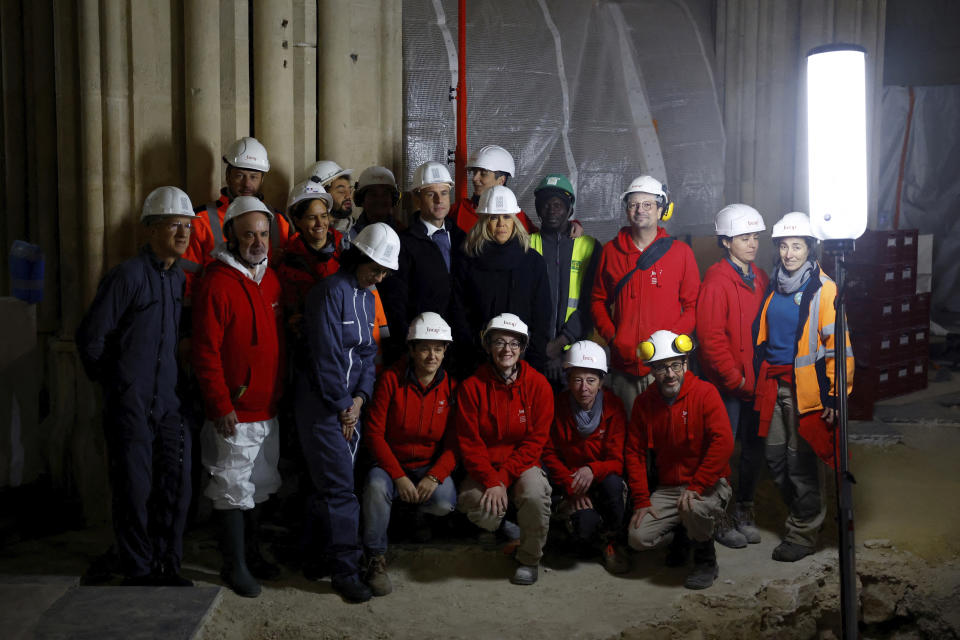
(339, 325)
(127, 341)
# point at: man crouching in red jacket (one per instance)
(683, 420)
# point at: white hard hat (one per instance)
(492, 158)
(794, 224)
(373, 176)
(737, 219)
(646, 184)
(429, 326)
(506, 322)
(498, 200)
(245, 204)
(431, 173)
(664, 344)
(167, 201)
(585, 354)
(380, 243)
(309, 190)
(247, 153)
(326, 171)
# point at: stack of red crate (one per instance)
(889, 321)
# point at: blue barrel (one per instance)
(26, 272)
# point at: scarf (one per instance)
(587, 420)
(789, 284)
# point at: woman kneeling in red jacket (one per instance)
(409, 439)
(504, 411)
(584, 455)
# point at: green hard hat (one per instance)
(556, 182)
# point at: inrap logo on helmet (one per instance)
(499, 202)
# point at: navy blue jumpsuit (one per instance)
(339, 325)
(128, 342)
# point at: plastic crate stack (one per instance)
(889, 321)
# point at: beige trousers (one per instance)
(699, 523)
(531, 496)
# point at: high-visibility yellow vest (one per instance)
(582, 251)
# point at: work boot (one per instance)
(525, 574)
(743, 521)
(256, 563)
(679, 549)
(614, 559)
(167, 576)
(377, 578)
(791, 551)
(705, 568)
(727, 535)
(351, 588)
(235, 572)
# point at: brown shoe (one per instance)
(376, 577)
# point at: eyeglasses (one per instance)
(176, 226)
(500, 343)
(660, 369)
(646, 205)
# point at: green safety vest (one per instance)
(582, 250)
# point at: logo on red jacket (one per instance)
(522, 414)
(683, 414)
(653, 276)
(441, 406)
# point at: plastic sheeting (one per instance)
(600, 91)
(930, 196)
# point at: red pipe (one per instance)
(903, 159)
(460, 165)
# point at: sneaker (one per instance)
(351, 588)
(791, 551)
(744, 522)
(615, 560)
(377, 578)
(525, 574)
(727, 535)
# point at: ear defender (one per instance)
(646, 350)
(667, 212)
(681, 345)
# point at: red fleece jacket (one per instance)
(409, 427)
(725, 312)
(662, 297)
(300, 268)
(237, 354)
(691, 437)
(602, 450)
(501, 428)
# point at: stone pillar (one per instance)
(273, 94)
(201, 39)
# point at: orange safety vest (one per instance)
(814, 362)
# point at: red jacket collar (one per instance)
(624, 241)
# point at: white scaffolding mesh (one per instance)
(600, 91)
